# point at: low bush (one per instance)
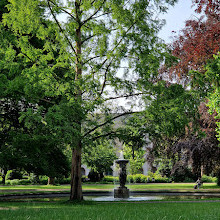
(162, 180)
(110, 179)
(17, 182)
(209, 179)
(62, 180)
(43, 180)
(152, 178)
(14, 174)
(140, 178)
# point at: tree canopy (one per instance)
(65, 61)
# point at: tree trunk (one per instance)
(202, 170)
(76, 181)
(218, 177)
(51, 181)
(4, 176)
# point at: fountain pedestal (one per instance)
(122, 191)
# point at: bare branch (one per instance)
(48, 101)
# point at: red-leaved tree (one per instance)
(197, 41)
(193, 47)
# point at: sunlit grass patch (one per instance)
(125, 211)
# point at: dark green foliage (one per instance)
(172, 110)
(180, 173)
(99, 157)
(165, 167)
(13, 174)
(95, 176)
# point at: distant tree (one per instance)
(136, 159)
(99, 157)
(199, 150)
(164, 120)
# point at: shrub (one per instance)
(151, 174)
(43, 180)
(95, 176)
(13, 174)
(17, 182)
(139, 178)
(162, 180)
(110, 179)
(64, 180)
(209, 179)
(181, 172)
(130, 178)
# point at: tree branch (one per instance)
(102, 135)
(89, 18)
(92, 58)
(106, 122)
(125, 96)
(93, 2)
(63, 10)
(70, 44)
(88, 38)
(104, 83)
(102, 15)
(115, 46)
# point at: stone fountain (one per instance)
(122, 191)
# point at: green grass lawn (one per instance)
(100, 187)
(114, 211)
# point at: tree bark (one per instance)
(76, 181)
(4, 176)
(51, 181)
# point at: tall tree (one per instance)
(194, 48)
(96, 40)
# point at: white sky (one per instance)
(175, 19)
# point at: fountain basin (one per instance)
(121, 192)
